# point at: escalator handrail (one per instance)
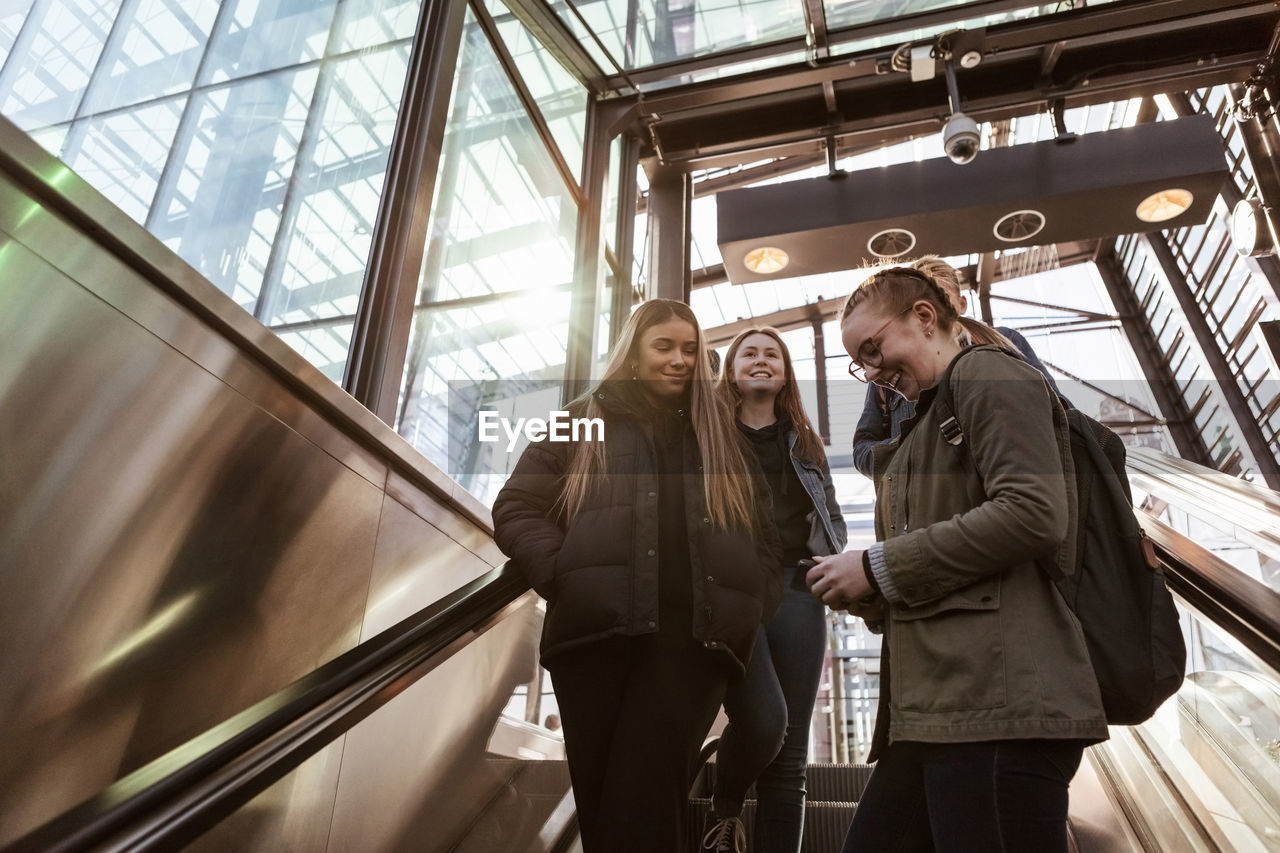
(175, 798)
(1246, 506)
(1246, 608)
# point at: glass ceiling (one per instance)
(638, 35)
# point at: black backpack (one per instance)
(1118, 589)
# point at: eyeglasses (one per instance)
(869, 354)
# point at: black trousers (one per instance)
(635, 711)
(1008, 795)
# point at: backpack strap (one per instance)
(953, 431)
(948, 424)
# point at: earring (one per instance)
(635, 370)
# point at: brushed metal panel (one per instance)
(183, 285)
(414, 564)
(462, 529)
(293, 814)
(51, 238)
(416, 773)
(169, 552)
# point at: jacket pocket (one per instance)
(948, 655)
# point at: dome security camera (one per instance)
(960, 138)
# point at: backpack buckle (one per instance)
(951, 430)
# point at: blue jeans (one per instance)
(769, 711)
(992, 795)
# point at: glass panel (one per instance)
(268, 185)
(1218, 741)
(11, 19)
(849, 15)
(335, 199)
(371, 23)
(160, 44)
(260, 36)
(122, 154)
(46, 75)
(671, 30)
(561, 99)
(494, 289)
(222, 205)
(324, 343)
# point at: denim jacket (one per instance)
(828, 533)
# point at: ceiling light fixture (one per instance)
(766, 260)
(1164, 205)
(1019, 225)
(891, 243)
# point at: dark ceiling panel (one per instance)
(1111, 53)
(1042, 192)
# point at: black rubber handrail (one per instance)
(175, 798)
(1247, 609)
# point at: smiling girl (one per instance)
(658, 563)
(769, 711)
(989, 696)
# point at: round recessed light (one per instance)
(891, 242)
(1019, 225)
(1164, 205)
(766, 260)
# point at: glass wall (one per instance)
(250, 136)
(493, 299)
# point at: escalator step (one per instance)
(824, 782)
(825, 823)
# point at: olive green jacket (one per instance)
(979, 645)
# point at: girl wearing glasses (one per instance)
(769, 711)
(658, 559)
(988, 696)
(885, 410)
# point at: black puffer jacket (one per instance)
(599, 574)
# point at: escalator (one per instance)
(1204, 774)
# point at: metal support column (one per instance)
(670, 196)
(1264, 455)
(384, 316)
(820, 375)
(986, 275)
(588, 257)
(625, 237)
(1155, 367)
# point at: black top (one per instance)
(791, 504)
(671, 428)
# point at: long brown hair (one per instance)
(786, 402)
(726, 482)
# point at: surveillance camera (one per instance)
(960, 138)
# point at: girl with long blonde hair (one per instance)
(658, 562)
